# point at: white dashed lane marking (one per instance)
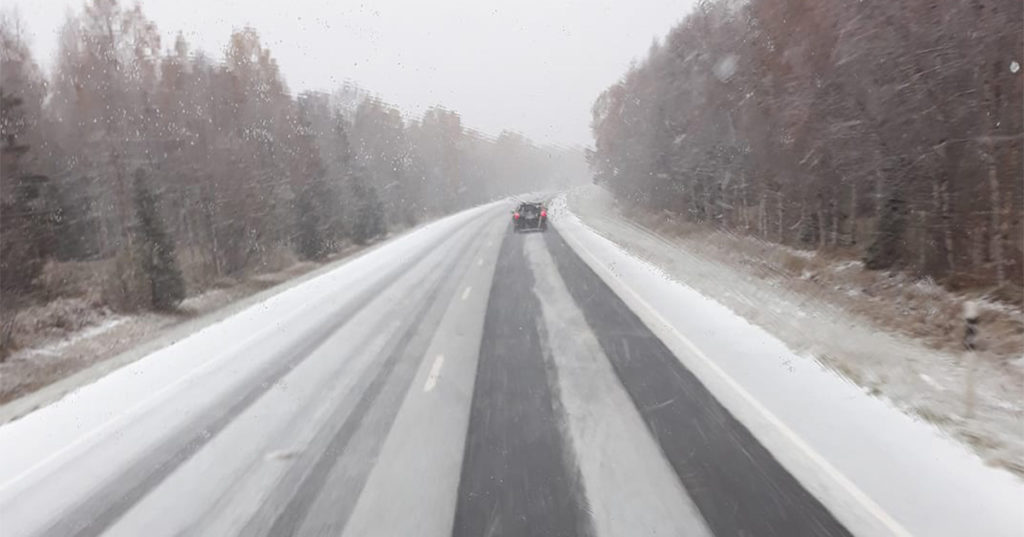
(435, 372)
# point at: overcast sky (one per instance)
(533, 66)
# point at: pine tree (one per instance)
(26, 197)
(156, 250)
(315, 200)
(889, 243)
(311, 241)
(368, 212)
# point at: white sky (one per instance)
(533, 66)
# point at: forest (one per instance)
(162, 170)
(889, 131)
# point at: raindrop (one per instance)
(726, 67)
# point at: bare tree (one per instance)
(891, 128)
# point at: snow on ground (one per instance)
(92, 340)
(880, 470)
(54, 348)
(815, 322)
(55, 432)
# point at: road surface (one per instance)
(478, 383)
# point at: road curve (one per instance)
(468, 382)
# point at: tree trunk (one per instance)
(215, 253)
(995, 234)
(743, 204)
(853, 213)
(887, 248)
(780, 209)
(123, 200)
(979, 246)
(762, 216)
(947, 226)
(820, 227)
(833, 209)
(923, 237)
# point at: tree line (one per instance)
(171, 170)
(891, 129)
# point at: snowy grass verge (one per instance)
(878, 330)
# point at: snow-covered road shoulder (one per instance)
(880, 471)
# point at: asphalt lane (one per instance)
(736, 483)
(490, 385)
(421, 460)
(133, 481)
(630, 487)
(397, 371)
(518, 476)
(110, 491)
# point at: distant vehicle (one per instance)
(530, 216)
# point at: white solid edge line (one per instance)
(465, 293)
(435, 372)
(855, 493)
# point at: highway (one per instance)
(462, 380)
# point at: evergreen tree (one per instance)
(20, 263)
(368, 211)
(26, 196)
(156, 250)
(315, 199)
(311, 240)
(889, 243)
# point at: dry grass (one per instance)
(275, 260)
(892, 335)
(68, 297)
(52, 320)
(75, 296)
(8, 341)
(72, 279)
(893, 301)
(198, 269)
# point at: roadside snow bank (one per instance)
(896, 338)
(880, 471)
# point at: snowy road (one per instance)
(459, 380)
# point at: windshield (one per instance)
(530, 268)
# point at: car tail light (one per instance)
(515, 216)
(543, 214)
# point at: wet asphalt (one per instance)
(436, 404)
